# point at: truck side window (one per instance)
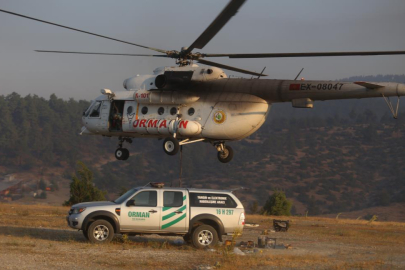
(172, 198)
(145, 198)
(211, 200)
(96, 109)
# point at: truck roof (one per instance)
(189, 189)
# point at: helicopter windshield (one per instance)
(87, 111)
(126, 195)
(95, 110)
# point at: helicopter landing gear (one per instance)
(225, 153)
(122, 153)
(171, 146)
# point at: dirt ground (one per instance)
(36, 237)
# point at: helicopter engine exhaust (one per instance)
(173, 79)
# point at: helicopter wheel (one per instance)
(122, 154)
(226, 155)
(171, 146)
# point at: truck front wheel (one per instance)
(204, 236)
(100, 232)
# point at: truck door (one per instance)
(144, 215)
(174, 211)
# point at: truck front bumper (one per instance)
(74, 222)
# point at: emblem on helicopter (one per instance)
(219, 117)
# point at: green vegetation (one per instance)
(277, 205)
(82, 188)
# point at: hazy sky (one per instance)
(261, 26)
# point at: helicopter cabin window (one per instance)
(191, 111)
(173, 110)
(116, 112)
(144, 110)
(161, 110)
(95, 111)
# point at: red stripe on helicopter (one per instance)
(295, 87)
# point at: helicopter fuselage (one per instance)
(210, 105)
(192, 104)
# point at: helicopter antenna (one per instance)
(261, 73)
(298, 74)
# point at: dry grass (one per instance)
(39, 236)
(33, 215)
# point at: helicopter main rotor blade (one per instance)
(230, 68)
(124, 54)
(78, 30)
(230, 10)
(313, 54)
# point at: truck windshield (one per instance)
(124, 197)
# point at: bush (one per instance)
(277, 205)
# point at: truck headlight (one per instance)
(78, 210)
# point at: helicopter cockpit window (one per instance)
(95, 111)
(87, 111)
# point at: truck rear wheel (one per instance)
(204, 236)
(100, 232)
(187, 238)
(85, 234)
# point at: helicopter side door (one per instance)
(105, 111)
(130, 114)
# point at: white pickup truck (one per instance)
(201, 216)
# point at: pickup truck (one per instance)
(201, 216)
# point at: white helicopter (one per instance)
(187, 103)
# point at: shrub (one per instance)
(277, 205)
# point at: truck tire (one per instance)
(187, 238)
(100, 232)
(85, 234)
(204, 236)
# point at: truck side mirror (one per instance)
(131, 203)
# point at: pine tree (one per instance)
(82, 188)
(277, 205)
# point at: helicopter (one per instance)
(188, 103)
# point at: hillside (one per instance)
(326, 160)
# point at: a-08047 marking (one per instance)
(226, 212)
(320, 86)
